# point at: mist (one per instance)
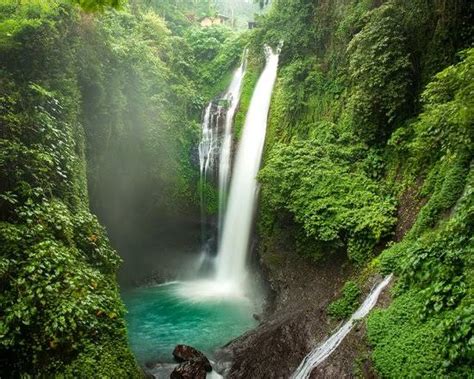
(141, 177)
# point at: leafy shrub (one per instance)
(55, 297)
(217, 51)
(405, 346)
(380, 74)
(335, 205)
(347, 303)
(445, 126)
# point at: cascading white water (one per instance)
(215, 155)
(234, 243)
(324, 350)
(232, 98)
(206, 143)
(206, 146)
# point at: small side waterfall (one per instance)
(324, 350)
(206, 147)
(234, 242)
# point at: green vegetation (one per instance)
(217, 50)
(434, 262)
(248, 85)
(98, 5)
(59, 299)
(178, 13)
(101, 108)
(372, 120)
(369, 153)
(254, 65)
(336, 204)
(409, 346)
(379, 91)
(347, 303)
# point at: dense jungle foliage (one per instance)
(101, 109)
(370, 152)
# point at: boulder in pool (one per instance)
(193, 369)
(185, 353)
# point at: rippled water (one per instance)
(163, 316)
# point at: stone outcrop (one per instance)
(194, 364)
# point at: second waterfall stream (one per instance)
(328, 346)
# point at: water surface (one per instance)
(163, 316)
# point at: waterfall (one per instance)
(324, 350)
(207, 143)
(215, 155)
(205, 147)
(237, 199)
(231, 98)
(234, 242)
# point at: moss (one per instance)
(405, 345)
(248, 85)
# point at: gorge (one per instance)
(172, 173)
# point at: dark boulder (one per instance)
(184, 353)
(193, 369)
